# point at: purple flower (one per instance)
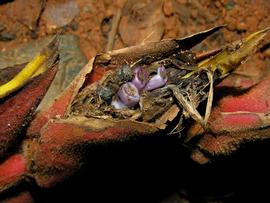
(157, 80)
(127, 96)
(117, 104)
(140, 78)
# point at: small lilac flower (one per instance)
(157, 80)
(140, 78)
(117, 104)
(127, 96)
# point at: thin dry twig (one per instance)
(33, 27)
(113, 32)
(187, 106)
(210, 97)
(207, 54)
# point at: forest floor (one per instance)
(104, 25)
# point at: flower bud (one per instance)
(157, 80)
(117, 104)
(127, 96)
(140, 78)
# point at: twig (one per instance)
(42, 8)
(210, 97)
(206, 54)
(187, 107)
(33, 27)
(113, 32)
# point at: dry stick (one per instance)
(42, 8)
(113, 32)
(207, 54)
(187, 107)
(210, 97)
(33, 27)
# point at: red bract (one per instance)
(234, 121)
(17, 110)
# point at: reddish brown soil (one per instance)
(181, 18)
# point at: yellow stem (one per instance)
(22, 77)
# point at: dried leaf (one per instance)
(87, 103)
(23, 53)
(153, 50)
(142, 22)
(71, 61)
(26, 12)
(234, 54)
(167, 116)
(8, 73)
(60, 13)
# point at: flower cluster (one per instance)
(128, 94)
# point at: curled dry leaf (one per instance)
(141, 22)
(189, 83)
(173, 54)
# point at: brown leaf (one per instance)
(8, 73)
(72, 60)
(142, 22)
(26, 12)
(60, 13)
(167, 116)
(23, 53)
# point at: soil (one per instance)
(181, 17)
(176, 18)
